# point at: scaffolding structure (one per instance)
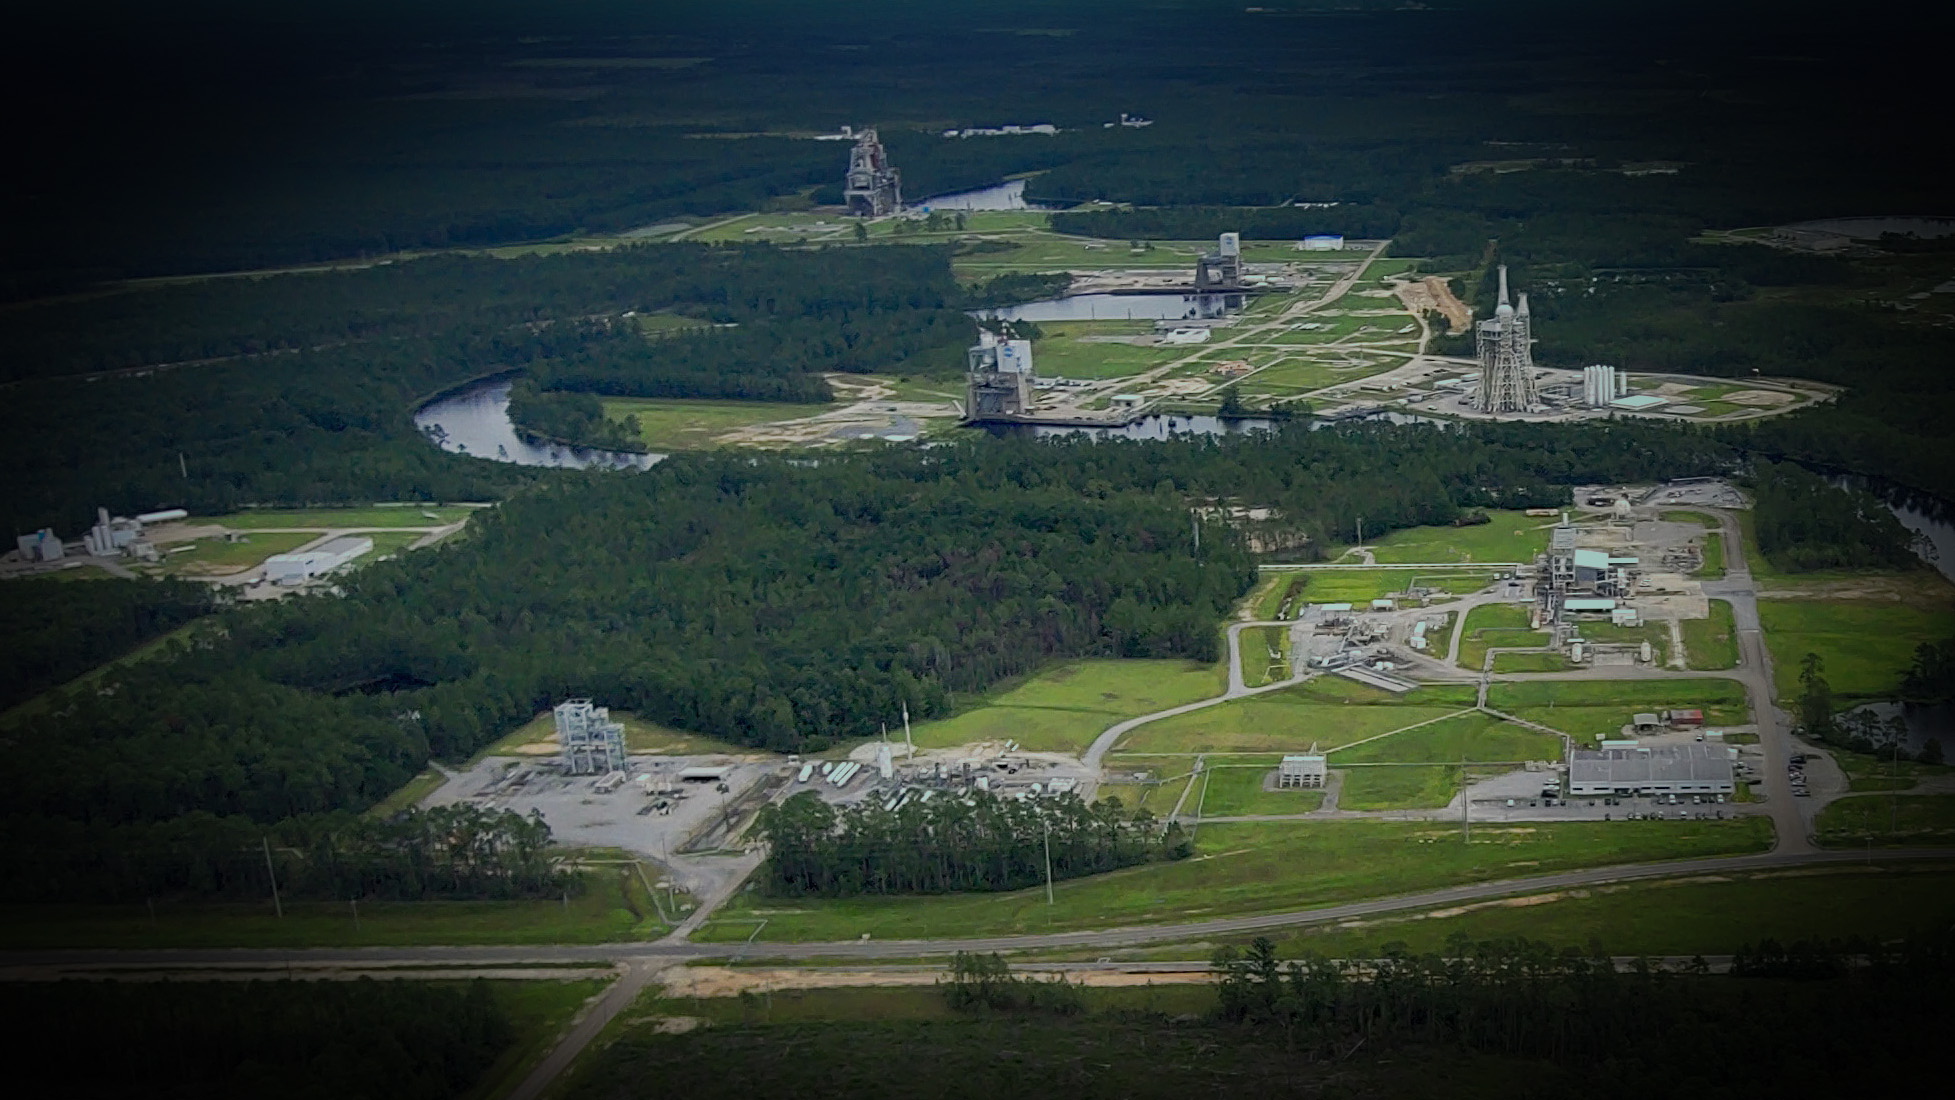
(871, 188)
(588, 742)
(1504, 343)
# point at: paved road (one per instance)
(78, 959)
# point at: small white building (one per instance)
(1322, 242)
(1302, 771)
(301, 567)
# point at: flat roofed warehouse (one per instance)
(1302, 770)
(1668, 769)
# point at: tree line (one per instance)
(51, 633)
(1193, 223)
(961, 843)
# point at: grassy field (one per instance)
(640, 736)
(1707, 522)
(677, 425)
(1678, 917)
(1363, 585)
(1867, 645)
(1529, 662)
(614, 908)
(216, 557)
(1274, 589)
(1713, 566)
(405, 515)
(1232, 791)
(1888, 821)
(1472, 736)
(1711, 644)
(1286, 720)
(1395, 787)
(1065, 707)
(1063, 353)
(1249, 868)
(1511, 536)
(1592, 709)
(1493, 626)
(1258, 666)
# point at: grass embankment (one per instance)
(1063, 708)
(1677, 917)
(1711, 644)
(614, 907)
(404, 515)
(1888, 821)
(1591, 709)
(1250, 868)
(1867, 645)
(1265, 655)
(679, 425)
(1496, 626)
(1509, 536)
(539, 736)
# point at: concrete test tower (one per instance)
(872, 188)
(1506, 358)
(999, 381)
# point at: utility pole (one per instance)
(1047, 823)
(277, 906)
(1195, 520)
(1465, 804)
(1360, 531)
(355, 903)
(183, 466)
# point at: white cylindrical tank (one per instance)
(167, 515)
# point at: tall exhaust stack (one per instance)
(1503, 284)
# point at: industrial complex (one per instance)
(872, 188)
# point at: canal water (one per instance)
(474, 420)
(1009, 195)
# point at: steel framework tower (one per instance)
(872, 188)
(1506, 358)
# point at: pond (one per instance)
(1009, 195)
(474, 420)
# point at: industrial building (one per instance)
(872, 188)
(1302, 771)
(1504, 344)
(999, 379)
(1695, 769)
(300, 567)
(588, 742)
(1222, 268)
(42, 545)
(1602, 385)
(1322, 242)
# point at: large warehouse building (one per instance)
(1670, 769)
(318, 561)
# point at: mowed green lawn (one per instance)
(677, 425)
(1265, 654)
(404, 515)
(1398, 787)
(1249, 868)
(1364, 585)
(1238, 790)
(1592, 709)
(1867, 645)
(1711, 644)
(1472, 736)
(216, 557)
(1276, 721)
(1676, 917)
(1064, 707)
(1511, 536)
(1889, 820)
(614, 907)
(1496, 626)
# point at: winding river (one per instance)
(474, 420)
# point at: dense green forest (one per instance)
(313, 1040)
(1806, 524)
(51, 632)
(952, 845)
